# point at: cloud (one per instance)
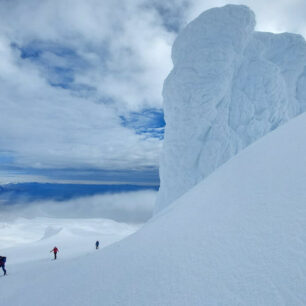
(128, 207)
(125, 44)
(80, 78)
(70, 71)
(271, 16)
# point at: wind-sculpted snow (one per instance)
(229, 86)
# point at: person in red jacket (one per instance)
(54, 250)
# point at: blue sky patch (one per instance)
(149, 122)
(58, 63)
(171, 14)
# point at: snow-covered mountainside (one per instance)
(237, 238)
(230, 85)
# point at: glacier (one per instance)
(229, 86)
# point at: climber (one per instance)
(97, 244)
(54, 250)
(2, 264)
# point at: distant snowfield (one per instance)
(70, 225)
(24, 240)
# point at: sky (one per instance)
(81, 83)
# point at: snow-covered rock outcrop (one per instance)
(230, 85)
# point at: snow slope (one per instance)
(229, 86)
(237, 238)
(34, 238)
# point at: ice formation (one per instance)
(230, 85)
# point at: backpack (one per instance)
(3, 259)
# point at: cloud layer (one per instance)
(129, 207)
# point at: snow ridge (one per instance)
(229, 86)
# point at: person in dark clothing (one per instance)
(54, 250)
(2, 264)
(97, 244)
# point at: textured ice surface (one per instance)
(230, 85)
